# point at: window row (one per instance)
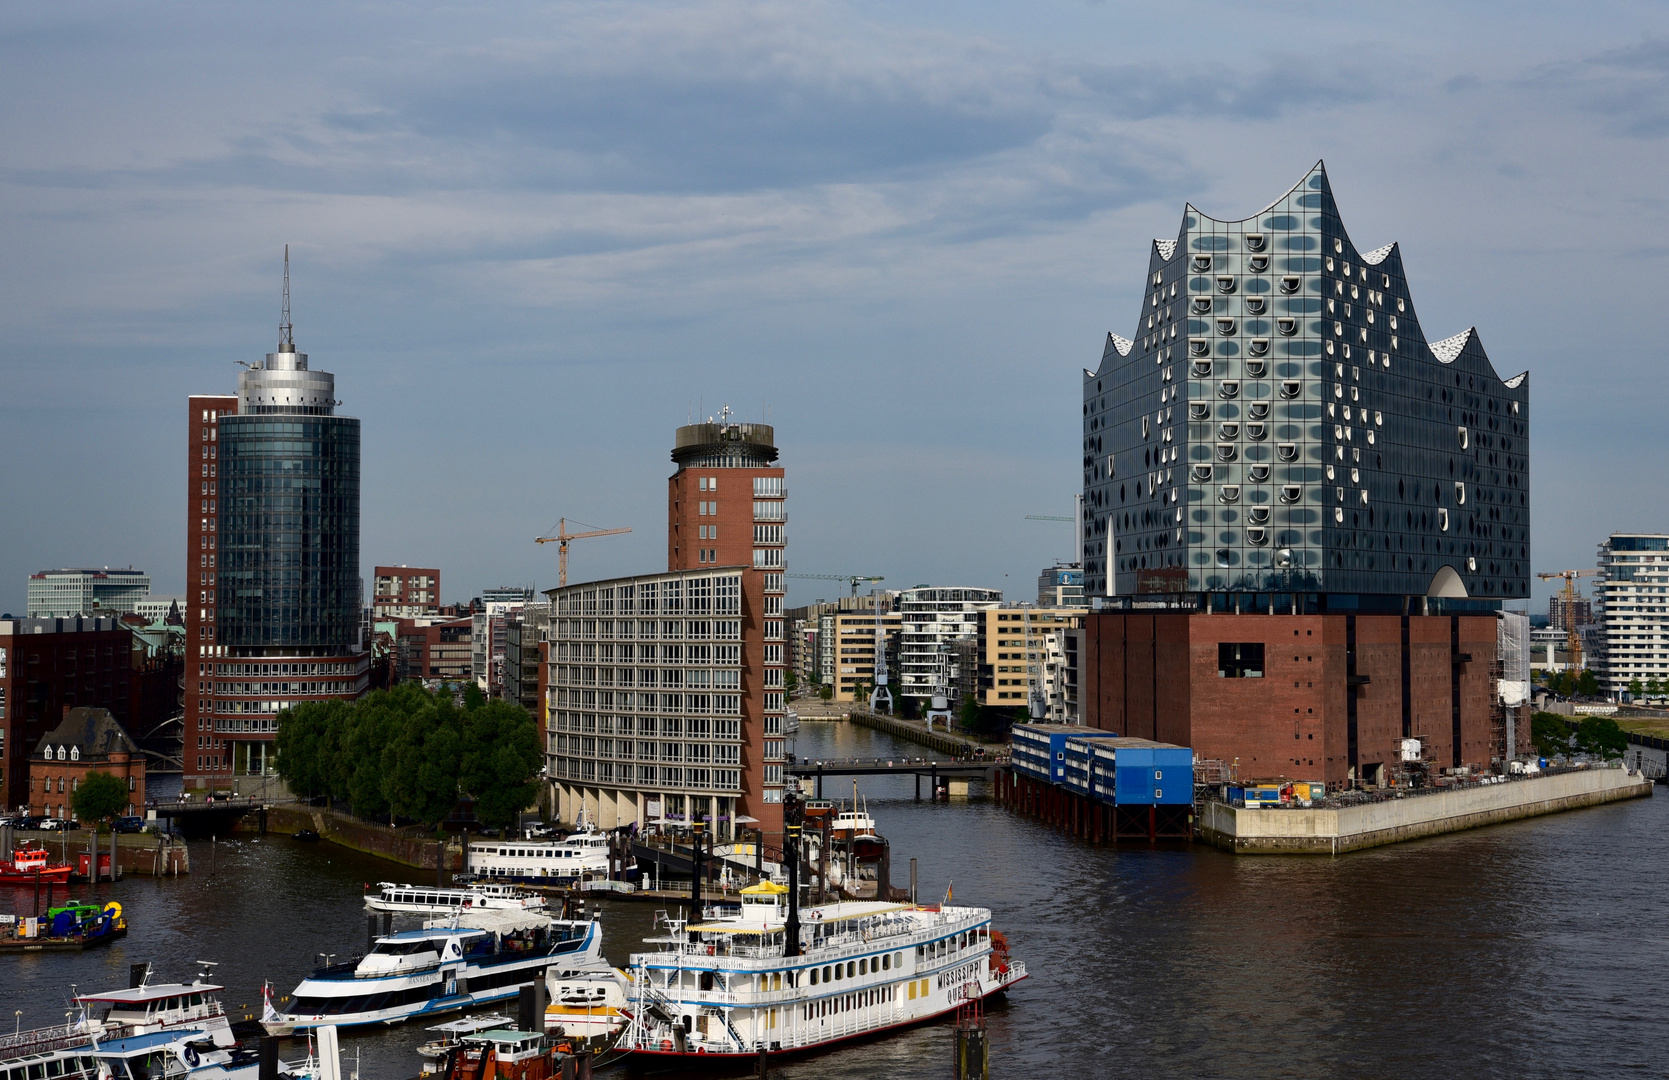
(674, 727)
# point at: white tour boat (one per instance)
(747, 978)
(583, 855)
(432, 900)
(153, 1007)
(443, 968)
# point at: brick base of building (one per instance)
(1298, 697)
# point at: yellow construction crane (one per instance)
(562, 536)
(1573, 639)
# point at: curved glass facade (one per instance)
(289, 535)
(1280, 423)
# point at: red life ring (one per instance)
(666, 1044)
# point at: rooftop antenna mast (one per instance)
(286, 333)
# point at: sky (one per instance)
(531, 240)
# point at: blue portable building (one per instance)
(1040, 750)
(1140, 772)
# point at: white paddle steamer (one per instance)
(747, 978)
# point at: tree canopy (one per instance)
(1550, 733)
(100, 796)
(413, 754)
(1601, 736)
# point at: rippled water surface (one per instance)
(1532, 949)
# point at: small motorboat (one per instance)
(305, 835)
(30, 864)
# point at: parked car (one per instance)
(130, 824)
(51, 824)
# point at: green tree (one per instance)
(100, 797)
(420, 779)
(1654, 689)
(826, 692)
(790, 683)
(1600, 735)
(1550, 733)
(500, 761)
(308, 744)
(1636, 688)
(474, 698)
(1587, 684)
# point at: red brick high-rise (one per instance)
(204, 753)
(666, 695)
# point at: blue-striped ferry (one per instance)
(444, 968)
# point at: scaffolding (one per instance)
(1509, 689)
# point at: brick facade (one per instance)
(1155, 676)
(87, 740)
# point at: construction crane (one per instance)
(1573, 639)
(1077, 527)
(854, 579)
(562, 536)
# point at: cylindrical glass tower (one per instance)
(289, 516)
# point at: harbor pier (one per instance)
(1332, 830)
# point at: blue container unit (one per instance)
(1040, 751)
(1140, 772)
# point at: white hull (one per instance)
(921, 965)
(349, 1000)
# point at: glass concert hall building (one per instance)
(1285, 481)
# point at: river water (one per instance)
(1537, 948)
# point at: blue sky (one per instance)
(532, 239)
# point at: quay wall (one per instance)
(1352, 828)
(139, 854)
(361, 836)
(914, 731)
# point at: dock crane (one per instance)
(1573, 639)
(854, 579)
(562, 536)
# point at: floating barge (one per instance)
(69, 928)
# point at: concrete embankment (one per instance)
(394, 845)
(1351, 828)
(915, 731)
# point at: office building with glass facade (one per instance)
(64, 594)
(273, 555)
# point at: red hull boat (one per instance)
(29, 865)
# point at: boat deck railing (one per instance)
(41, 1041)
